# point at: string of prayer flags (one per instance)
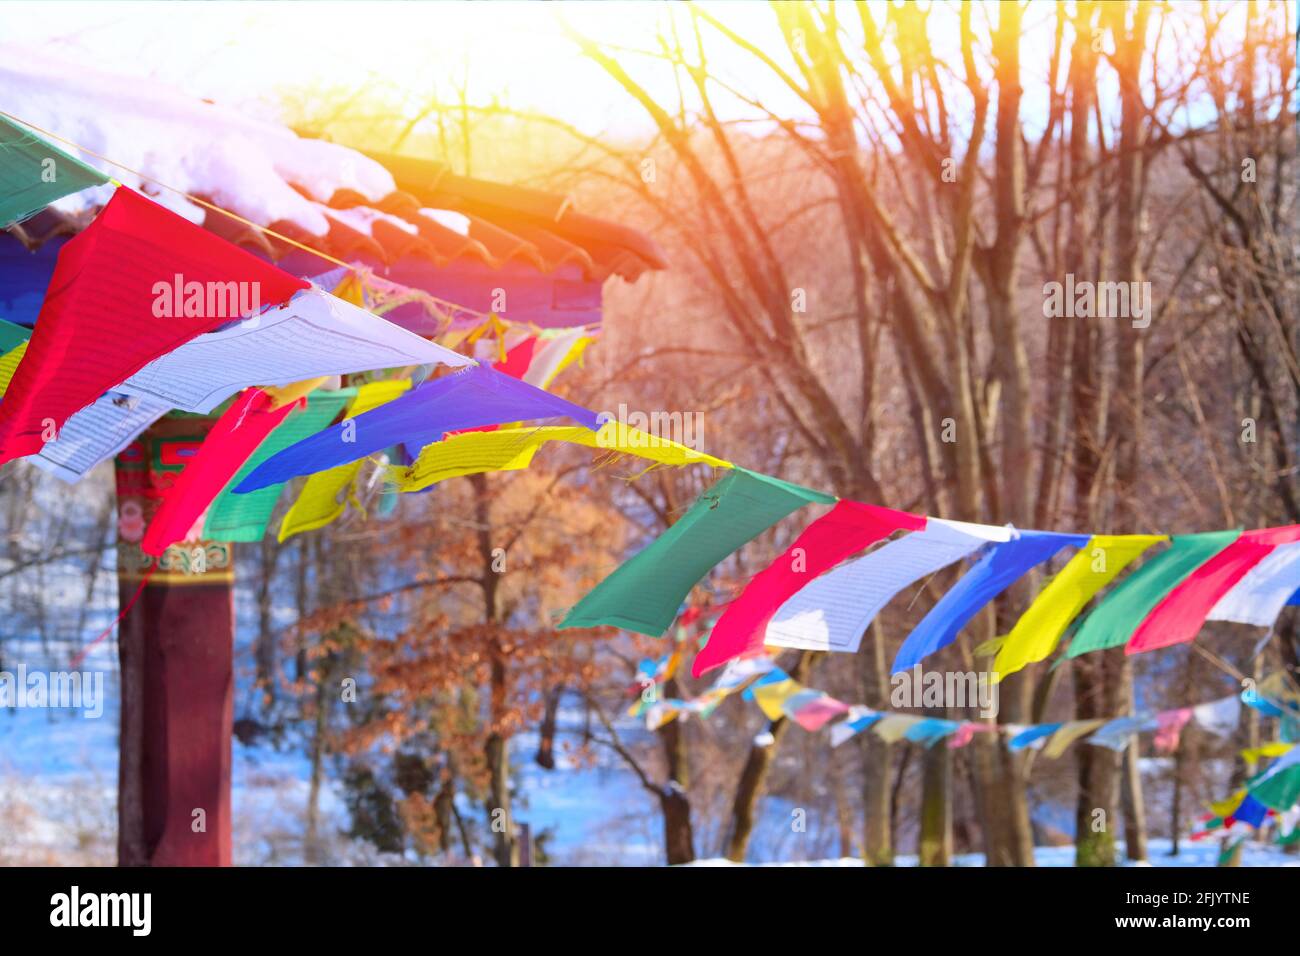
(315, 334)
(98, 327)
(1180, 614)
(1258, 598)
(35, 173)
(1053, 738)
(1002, 566)
(1114, 620)
(833, 611)
(644, 593)
(232, 439)
(326, 494)
(1039, 629)
(511, 449)
(464, 399)
(777, 694)
(849, 527)
(738, 675)
(233, 517)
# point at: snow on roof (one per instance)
(205, 149)
(337, 200)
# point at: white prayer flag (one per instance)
(315, 334)
(833, 611)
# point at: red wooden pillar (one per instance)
(176, 647)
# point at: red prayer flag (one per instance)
(123, 293)
(518, 358)
(229, 444)
(849, 527)
(1180, 614)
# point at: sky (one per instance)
(514, 50)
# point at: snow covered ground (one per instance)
(58, 782)
(1189, 854)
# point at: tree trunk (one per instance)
(266, 650)
(496, 751)
(1125, 427)
(877, 758)
(679, 841)
(1135, 814)
(936, 806)
(674, 799)
(1094, 816)
(753, 777)
(311, 840)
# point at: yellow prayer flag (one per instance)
(1228, 805)
(510, 449)
(1068, 734)
(282, 395)
(892, 727)
(771, 696)
(322, 498)
(573, 355)
(1253, 755)
(1094, 566)
(656, 717)
(9, 364)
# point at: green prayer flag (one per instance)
(233, 517)
(12, 336)
(1114, 620)
(644, 593)
(34, 173)
(1278, 787)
